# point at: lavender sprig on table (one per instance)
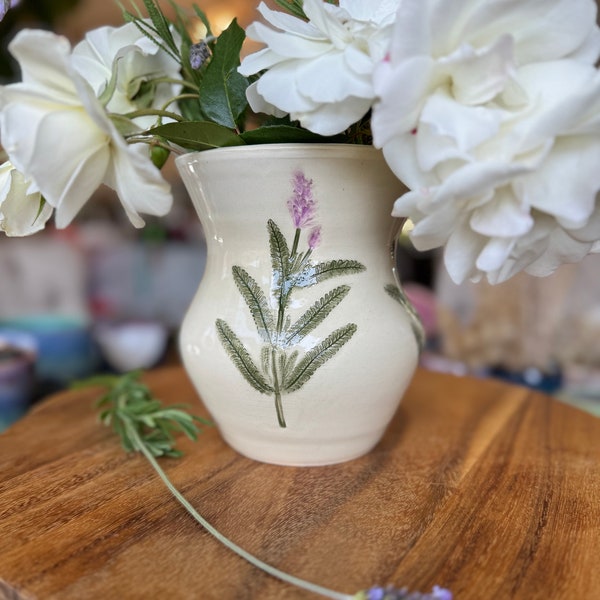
(144, 425)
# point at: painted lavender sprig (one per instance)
(283, 369)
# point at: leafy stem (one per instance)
(145, 426)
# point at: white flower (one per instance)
(56, 132)
(320, 72)
(135, 62)
(490, 114)
(21, 211)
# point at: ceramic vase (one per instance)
(299, 340)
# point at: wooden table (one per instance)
(490, 490)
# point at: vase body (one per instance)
(298, 340)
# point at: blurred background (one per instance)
(102, 296)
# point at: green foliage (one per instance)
(331, 268)
(256, 301)
(285, 134)
(145, 426)
(318, 356)
(282, 369)
(213, 104)
(293, 6)
(241, 358)
(197, 135)
(138, 418)
(280, 254)
(315, 315)
(158, 29)
(223, 90)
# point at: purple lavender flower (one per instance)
(302, 205)
(314, 239)
(199, 54)
(5, 5)
(391, 593)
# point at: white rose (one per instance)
(136, 61)
(21, 212)
(56, 132)
(320, 72)
(492, 119)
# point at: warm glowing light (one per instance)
(220, 20)
(197, 30)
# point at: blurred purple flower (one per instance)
(302, 205)
(199, 54)
(391, 593)
(5, 5)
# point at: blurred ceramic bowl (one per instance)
(131, 345)
(17, 375)
(65, 348)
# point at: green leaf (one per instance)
(156, 30)
(287, 364)
(201, 135)
(265, 361)
(256, 301)
(316, 273)
(293, 6)
(160, 23)
(241, 358)
(223, 91)
(139, 418)
(318, 356)
(283, 134)
(397, 293)
(280, 254)
(316, 314)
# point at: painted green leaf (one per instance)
(199, 135)
(334, 268)
(265, 360)
(316, 273)
(256, 301)
(397, 293)
(318, 356)
(241, 358)
(316, 314)
(280, 254)
(223, 91)
(288, 364)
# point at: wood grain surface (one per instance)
(487, 489)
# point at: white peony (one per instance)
(124, 59)
(320, 72)
(56, 132)
(21, 212)
(490, 113)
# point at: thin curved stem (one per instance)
(263, 566)
(153, 112)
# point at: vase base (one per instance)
(303, 453)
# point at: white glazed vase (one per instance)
(298, 341)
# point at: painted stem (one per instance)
(278, 403)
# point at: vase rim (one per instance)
(289, 149)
